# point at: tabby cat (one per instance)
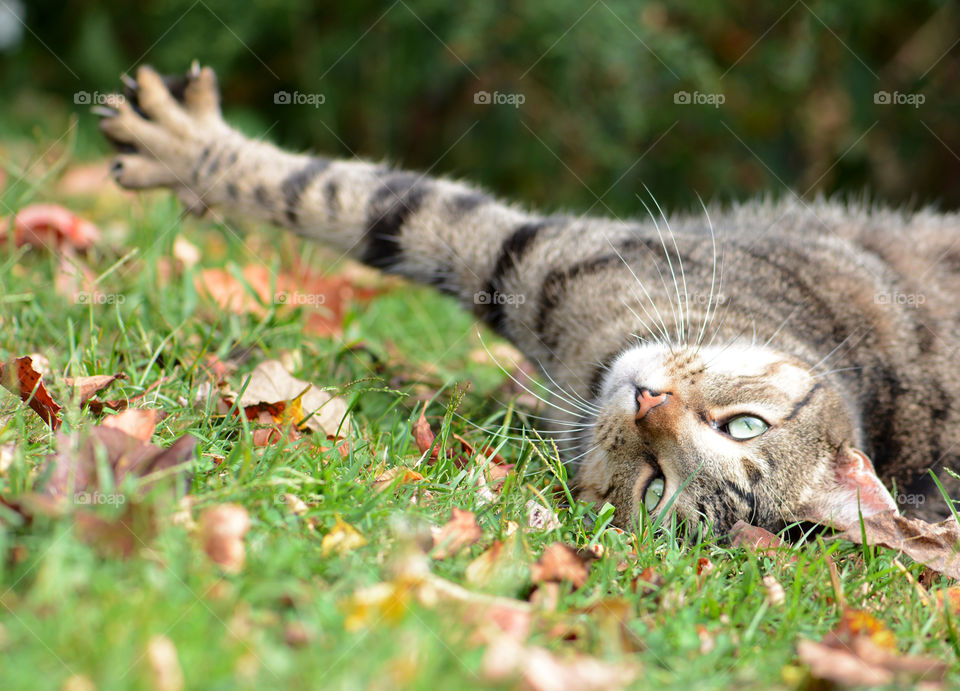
(773, 362)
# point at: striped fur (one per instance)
(836, 321)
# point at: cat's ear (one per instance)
(855, 489)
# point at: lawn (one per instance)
(343, 583)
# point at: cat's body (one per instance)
(744, 356)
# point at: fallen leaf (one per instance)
(932, 544)
(775, 594)
(560, 562)
(296, 635)
(7, 452)
(539, 517)
(458, 533)
(304, 404)
(76, 281)
(503, 568)
(394, 477)
(861, 651)
(86, 387)
(137, 422)
(19, 377)
(52, 226)
(164, 664)
(424, 437)
(185, 252)
(325, 298)
(341, 539)
(85, 179)
(542, 670)
(74, 465)
(121, 536)
(222, 529)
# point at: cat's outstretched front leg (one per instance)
(432, 230)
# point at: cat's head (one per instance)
(726, 433)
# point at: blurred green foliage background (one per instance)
(599, 85)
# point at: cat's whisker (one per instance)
(639, 318)
(678, 310)
(782, 324)
(532, 393)
(569, 393)
(834, 371)
(663, 326)
(713, 277)
(685, 305)
(840, 345)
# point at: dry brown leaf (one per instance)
(424, 437)
(560, 562)
(304, 404)
(51, 226)
(86, 387)
(936, 545)
(122, 536)
(775, 594)
(139, 423)
(74, 465)
(222, 529)
(76, 281)
(325, 298)
(164, 664)
(539, 517)
(542, 670)
(394, 477)
(458, 533)
(861, 651)
(20, 378)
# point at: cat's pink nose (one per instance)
(647, 400)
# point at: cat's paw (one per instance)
(164, 128)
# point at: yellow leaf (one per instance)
(342, 539)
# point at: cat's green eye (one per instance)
(654, 493)
(744, 427)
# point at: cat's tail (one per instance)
(440, 232)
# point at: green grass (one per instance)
(69, 609)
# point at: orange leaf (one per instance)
(20, 377)
(460, 532)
